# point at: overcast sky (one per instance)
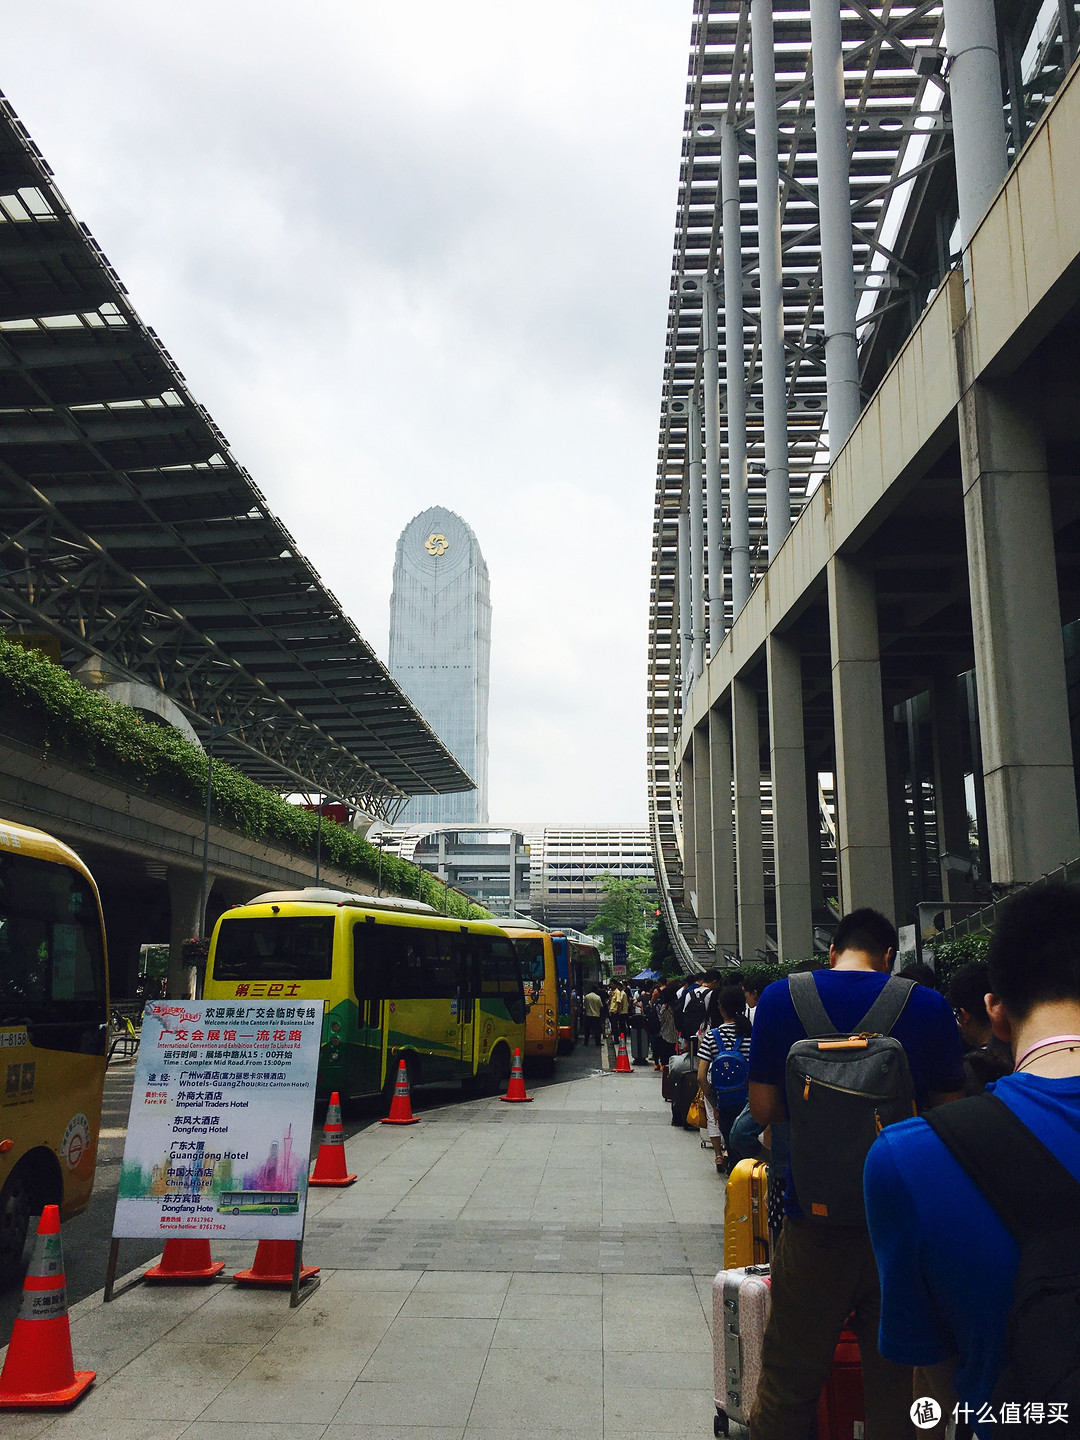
(407, 255)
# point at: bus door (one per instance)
(370, 979)
(465, 1003)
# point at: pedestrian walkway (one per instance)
(496, 1270)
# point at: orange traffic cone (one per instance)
(515, 1091)
(400, 1107)
(274, 1261)
(330, 1161)
(622, 1063)
(39, 1373)
(187, 1261)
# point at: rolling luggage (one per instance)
(740, 1310)
(841, 1410)
(746, 1215)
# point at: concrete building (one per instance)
(888, 684)
(566, 862)
(555, 869)
(440, 651)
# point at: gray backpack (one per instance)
(842, 1090)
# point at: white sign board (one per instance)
(220, 1124)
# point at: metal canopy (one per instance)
(903, 220)
(128, 530)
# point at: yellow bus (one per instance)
(537, 956)
(400, 983)
(54, 1014)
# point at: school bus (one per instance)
(54, 1013)
(533, 945)
(400, 982)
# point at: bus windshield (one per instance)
(531, 954)
(289, 947)
(51, 963)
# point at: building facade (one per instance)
(549, 873)
(440, 651)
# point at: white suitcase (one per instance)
(740, 1311)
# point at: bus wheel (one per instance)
(15, 1206)
(236, 1209)
(273, 1209)
(499, 1071)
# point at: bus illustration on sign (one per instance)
(259, 1202)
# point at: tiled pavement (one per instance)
(496, 1271)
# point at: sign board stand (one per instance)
(220, 1091)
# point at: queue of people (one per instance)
(949, 1242)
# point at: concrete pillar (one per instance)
(794, 919)
(689, 834)
(720, 766)
(703, 866)
(697, 543)
(749, 860)
(185, 907)
(714, 500)
(834, 214)
(978, 120)
(862, 795)
(735, 366)
(770, 276)
(686, 633)
(1019, 656)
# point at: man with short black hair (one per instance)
(950, 1264)
(823, 1271)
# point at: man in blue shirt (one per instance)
(947, 1261)
(822, 1273)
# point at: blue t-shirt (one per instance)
(947, 1262)
(926, 1029)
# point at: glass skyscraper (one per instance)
(440, 651)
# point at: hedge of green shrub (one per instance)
(41, 703)
(952, 955)
(761, 974)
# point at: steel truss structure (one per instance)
(903, 241)
(129, 531)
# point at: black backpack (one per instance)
(1039, 1201)
(841, 1091)
(689, 1017)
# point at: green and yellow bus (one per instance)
(400, 982)
(259, 1202)
(54, 1026)
(537, 956)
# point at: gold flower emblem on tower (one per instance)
(436, 544)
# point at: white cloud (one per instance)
(410, 255)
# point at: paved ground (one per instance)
(496, 1271)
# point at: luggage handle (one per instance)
(856, 1042)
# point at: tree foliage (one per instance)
(40, 703)
(624, 906)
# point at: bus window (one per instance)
(403, 962)
(500, 974)
(530, 954)
(52, 970)
(290, 947)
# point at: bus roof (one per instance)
(39, 845)
(314, 895)
(311, 901)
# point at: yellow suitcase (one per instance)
(746, 1215)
